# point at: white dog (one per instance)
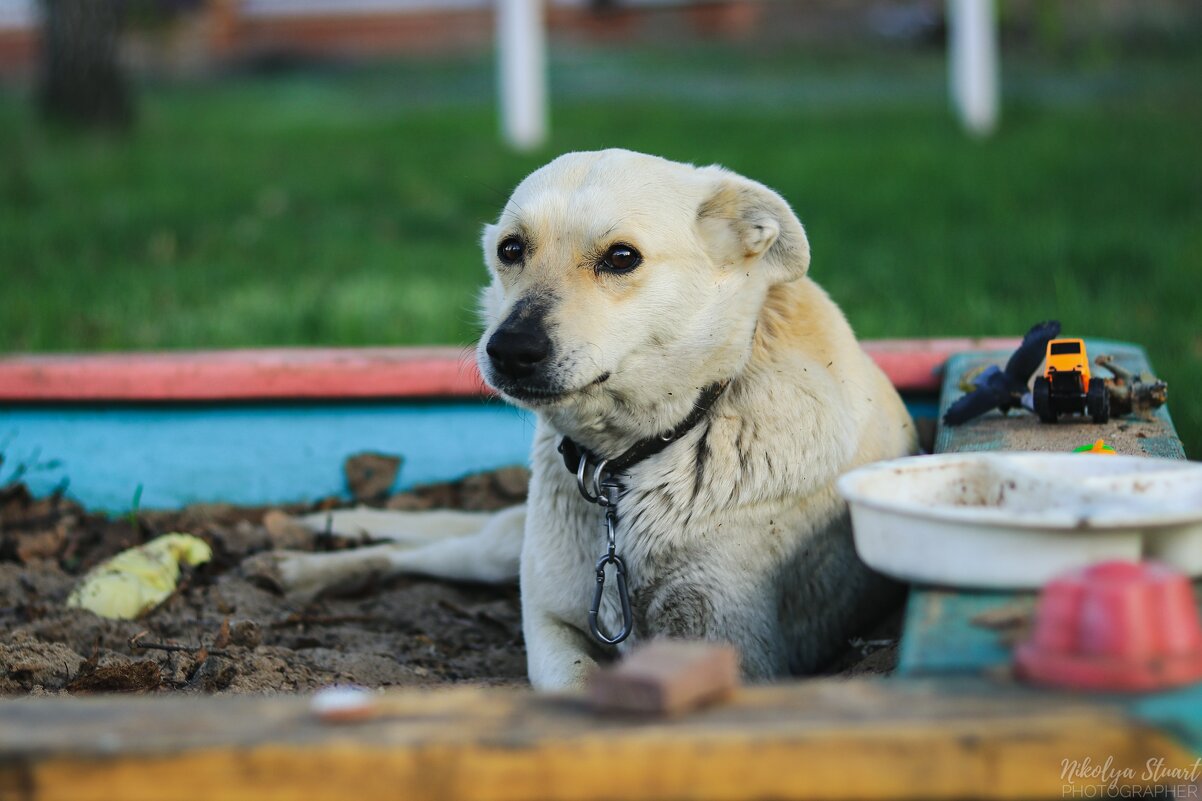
(658, 315)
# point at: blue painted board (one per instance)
(1178, 712)
(248, 454)
(939, 636)
(254, 454)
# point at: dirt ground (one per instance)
(221, 632)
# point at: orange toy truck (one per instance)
(1066, 386)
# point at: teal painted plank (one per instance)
(1022, 431)
(1178, 712)
(256, 454)
(922, 406)
(248, 455)
(939, 635)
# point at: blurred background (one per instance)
(227, 173)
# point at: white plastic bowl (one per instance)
(1016, 520)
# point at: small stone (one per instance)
(408, 502)
(26, 661)
(41, 544)
(118, 676)
(370, 476)
(442, 496)
(476, 493)
(245, 633)
(513, 482)
(214, 674)
(286, 533)
(666, 677)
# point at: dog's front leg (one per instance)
(555, 583)
(489, 554)
(559, 656)
(403, 528)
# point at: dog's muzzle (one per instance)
(516, 353)
(520, 347)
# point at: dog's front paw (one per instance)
(303, 576)
(281, 571)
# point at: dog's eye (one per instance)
(511, 250)
(620, 259)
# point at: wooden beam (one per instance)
(1021, 431)
(252, 374)
(819, 739)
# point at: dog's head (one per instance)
(623, 283)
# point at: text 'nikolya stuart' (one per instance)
(1082, 775)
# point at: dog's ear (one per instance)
(743, 221)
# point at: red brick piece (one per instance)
(667, 677)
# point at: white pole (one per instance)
(973, 63)
(521, 49)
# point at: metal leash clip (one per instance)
(604, 493)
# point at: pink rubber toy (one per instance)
(1121, 626)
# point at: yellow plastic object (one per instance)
(138, 579)
(968, 381)
(1099, 447)
(1067, 356)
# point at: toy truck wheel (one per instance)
(1097, 402)
(1041, 395)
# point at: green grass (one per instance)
(344, 207)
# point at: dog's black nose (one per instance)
(517, 353)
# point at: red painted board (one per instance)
(916, 365)
(284, 373)
(341, 373)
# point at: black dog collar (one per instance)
(646, 448)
